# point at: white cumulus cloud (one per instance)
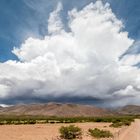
(83, 62)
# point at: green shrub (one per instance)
(127, 123)
(116, 125)
(121, 123)
(70, 132)
(97, 133)
(31, 122)
(1, 123)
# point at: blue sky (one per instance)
(70, 51)
(23, 18)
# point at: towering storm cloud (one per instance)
(89, 60)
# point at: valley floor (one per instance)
(51, 131)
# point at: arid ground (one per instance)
(132, 132)
(51, 131)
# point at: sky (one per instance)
(81, 51)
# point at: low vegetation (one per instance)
(70, 132)
(122, 122)
(97, 133)
(115, 120)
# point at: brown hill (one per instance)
(55, 109)
(129, 110)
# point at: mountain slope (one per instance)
(55, 109)
(129, 110)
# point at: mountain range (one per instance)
(66, 110)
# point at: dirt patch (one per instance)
(131, 133)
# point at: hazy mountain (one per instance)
(66, 110)
(55, 109)
(129, 109)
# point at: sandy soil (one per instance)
(132, 132)
(51, 131)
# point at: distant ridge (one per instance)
(55, 109)
(129, 110)
(67, 110)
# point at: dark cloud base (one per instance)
(75, 100)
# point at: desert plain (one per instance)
(51, 131)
